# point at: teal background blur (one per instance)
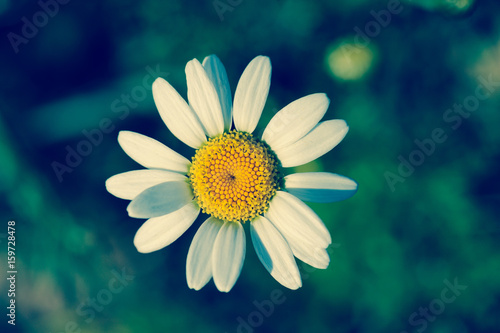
(399, 243)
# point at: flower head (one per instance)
(234, 176)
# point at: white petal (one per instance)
(315, 256)
(199, 258)
(130, 184)
(177, 114)
(158, 232)
(251, 94)
(295, 120)
(160, 199)
(217, 74)
(320, 186)
(295, 220)
(228, 255)
(150, 153)
(320, 140)
(274, 253)
(203, 98)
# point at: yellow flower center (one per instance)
(234, 176)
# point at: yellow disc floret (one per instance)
(234, 176)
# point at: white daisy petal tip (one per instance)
(196, 287)
(177, 115)
(297, 284)
(160, 200)
(275, 253)
(108, 184)
(311, 254)
(251, 94)
(224, 288)
(204, 99)
(217, 74)
(320, 140)
(199, 262)
(296, 221)
(151, 153)
(320, 186)
(228, 255)
(295, 120)
(159, 232)
(344, 123)
(130, 184)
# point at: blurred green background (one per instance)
(396, 72)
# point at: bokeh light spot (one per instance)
(350, 61)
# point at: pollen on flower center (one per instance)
(234, 176)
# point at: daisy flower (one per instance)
(234, 176)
